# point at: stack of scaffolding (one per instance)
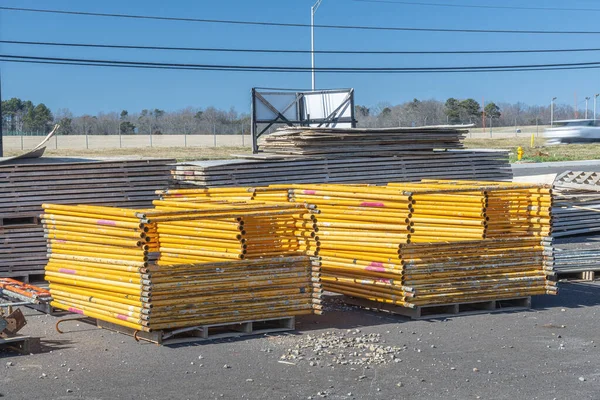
(440, 251)
(26, 184)
(245, 230)
(576, 223)
(101, 264)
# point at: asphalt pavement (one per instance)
(548, 352)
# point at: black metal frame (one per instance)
(280, 119)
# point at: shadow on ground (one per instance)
(570, 295)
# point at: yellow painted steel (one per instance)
(200, 254)
(111, 264)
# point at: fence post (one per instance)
(21, 140)
(56, 141)
(87, 144)
(242, 135)
(120, 143)
(184, 139)
(150, 139)
(215, 134)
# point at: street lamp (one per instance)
(313, 10)
(552, 112)
(586, 106)
(595, 97)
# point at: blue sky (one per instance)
(92, 90)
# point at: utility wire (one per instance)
(298, 25)
(285, 51)
(414, 3)
(241, 70)
(262, 68)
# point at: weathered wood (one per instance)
(445, 310)
(207, 332)
(26, 185)
(454, 164)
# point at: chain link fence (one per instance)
(27, 140)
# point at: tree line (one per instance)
(25, 116)
(456, 111)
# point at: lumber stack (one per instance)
(267, 169)
(102, 264)
(350, 142)
(27, 184)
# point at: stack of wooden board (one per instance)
(351, 142)
(26, 184)
(412, 167)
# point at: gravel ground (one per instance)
(546, 353)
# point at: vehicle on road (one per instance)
(573, 131)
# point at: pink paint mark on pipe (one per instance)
(383, 280)
(309, 192)
(122, 317)
(372, 204)
(75, 310)
(377, 269)
(106, 222)
(67, 271)
(61, 241)
(376, 264)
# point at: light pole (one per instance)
(586, 106)
(552, 112)
(313, 10)
(595, 97)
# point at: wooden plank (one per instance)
(445, 310)
(208, 332)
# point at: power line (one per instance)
(240, 70)
(414, 3)
(285, 51)
(298, 25)
(254, 68)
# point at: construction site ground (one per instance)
(549, 352)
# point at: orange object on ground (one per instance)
(20, 289)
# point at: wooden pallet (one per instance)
(207, 332)
(589, 275)
(445, 310)
(21, 344)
